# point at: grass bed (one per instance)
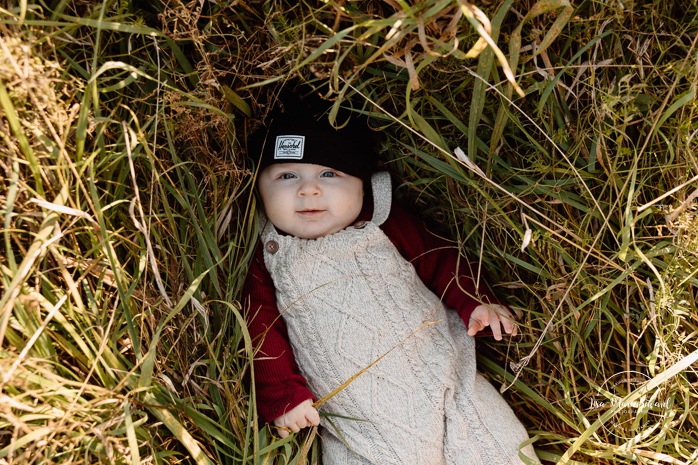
(128, 217)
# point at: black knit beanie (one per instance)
(292, 137)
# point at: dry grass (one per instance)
(127, 210)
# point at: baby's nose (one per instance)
(309, 188)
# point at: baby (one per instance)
(343, 279)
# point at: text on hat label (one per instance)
(289, 147)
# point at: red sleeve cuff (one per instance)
(270, 411)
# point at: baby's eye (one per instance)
(328, 174)
(287, 176)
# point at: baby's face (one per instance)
(309, 201)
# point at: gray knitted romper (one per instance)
(349, 299)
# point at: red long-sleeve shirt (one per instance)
(278, 383)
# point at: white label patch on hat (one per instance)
(289, 147)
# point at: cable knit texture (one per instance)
(349, 300)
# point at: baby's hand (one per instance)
(492, 315)
(300, 416)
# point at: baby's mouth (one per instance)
(310, 211)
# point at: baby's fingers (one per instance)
(286, 425)
(475, 325)
(313, 417)
(496, 316)
(282, 432)
(506, 318)
(290, 427)
(495, 327)
(509, 325)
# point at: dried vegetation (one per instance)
(128, 218)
